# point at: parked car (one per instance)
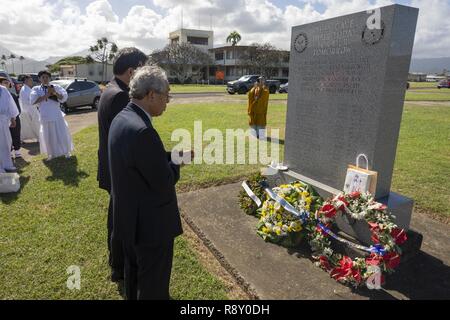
(284, 88)
(444, 84)
(244, 84)
(35, 77)
(81, 93)
(11, 89)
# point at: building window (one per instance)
(198, 41)
(229, 54)
(285, 73)
(219, 55)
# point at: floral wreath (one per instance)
(386, 236)
(279, 219)
(246, 203)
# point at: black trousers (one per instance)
(115, 247)
(15, 135)
(147, 271)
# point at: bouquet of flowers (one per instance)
(246, 203)
(281, 226)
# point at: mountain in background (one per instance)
(30, 65)
(427, 65)
(430, 65)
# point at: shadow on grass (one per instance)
(12, 197)
(275, 140)
(65, 170)
(9, 198)
(33, 148)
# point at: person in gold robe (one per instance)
(258, 102)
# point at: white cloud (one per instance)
(42, 28)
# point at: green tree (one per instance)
(4, 58)
(234, 38)
(182, 60)
(12, 57)
(22, 58)
(67, 61)
(263, 59)
(104, 51)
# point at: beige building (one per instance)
(227, 62)
(91, 71)
(202, 39)
(228, 59)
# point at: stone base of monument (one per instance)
(358, 231)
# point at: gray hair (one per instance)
(146, 79)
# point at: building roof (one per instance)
(231, 47)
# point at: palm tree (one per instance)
(22, 58)
(234, 38)
(11, 57)
(104, 51)
(4, 58)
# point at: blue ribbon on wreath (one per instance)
(304, 216)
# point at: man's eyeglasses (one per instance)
(167, 95)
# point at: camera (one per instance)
(52, 97)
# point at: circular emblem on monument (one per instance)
(373, 36)
(301, 42)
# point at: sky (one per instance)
(47, 28)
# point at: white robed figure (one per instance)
(29, 117)
(54, 138)
(8, 114)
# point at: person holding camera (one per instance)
(55, 139)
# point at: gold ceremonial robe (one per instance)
(258, 102)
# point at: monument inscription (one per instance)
(349, 75)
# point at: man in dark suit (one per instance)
(113, 100)
(143, 176)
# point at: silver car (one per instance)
(81, 93)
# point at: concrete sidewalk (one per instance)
(268, 271)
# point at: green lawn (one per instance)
(426, 95)
(197, 88)
(411, 95)
(415, 85)
(218, 116)
(422, 168)
(58, 219)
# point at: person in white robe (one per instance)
(8, 114)
(54, 138)
(30, 114)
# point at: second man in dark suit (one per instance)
(114, 99)
(143, 176)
